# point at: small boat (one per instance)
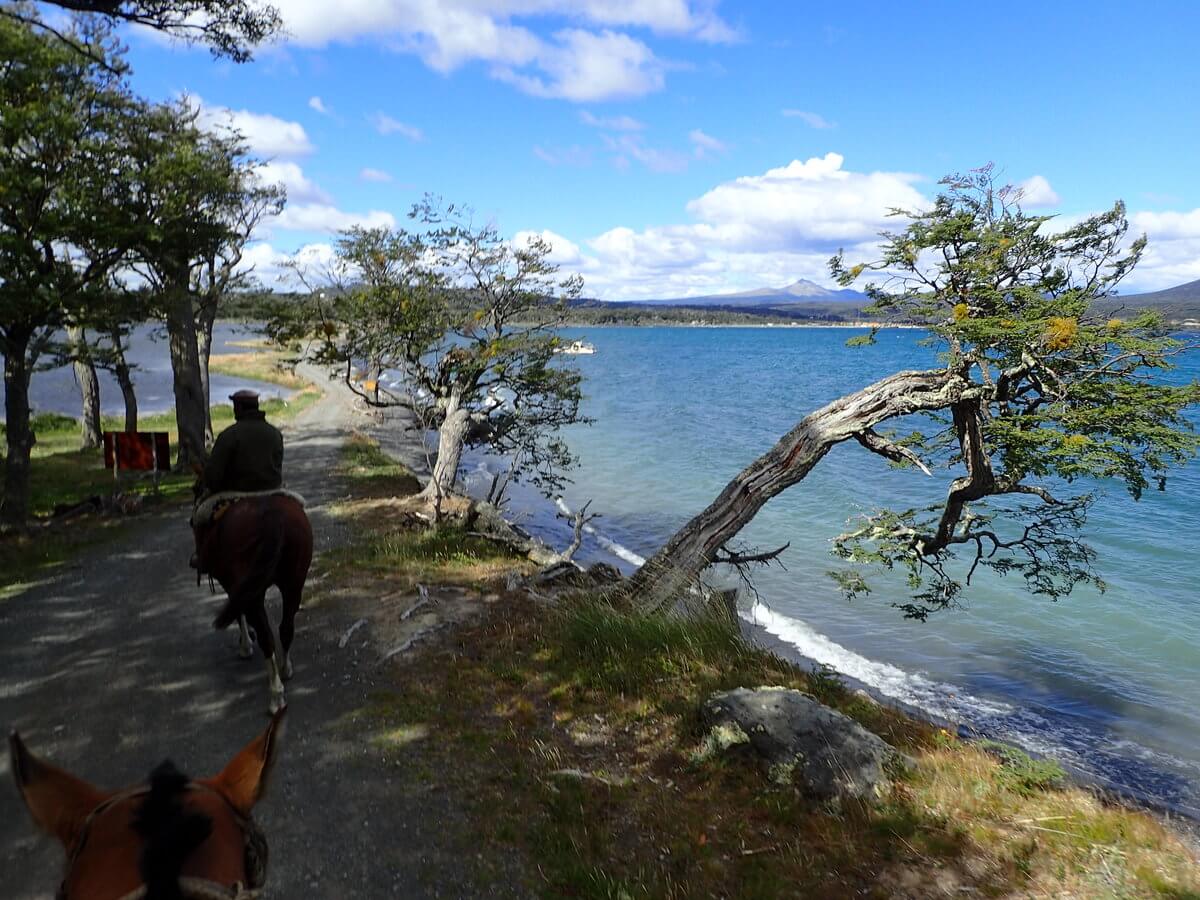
(575, 348)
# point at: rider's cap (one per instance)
(244, 397)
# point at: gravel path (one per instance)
(113, 665)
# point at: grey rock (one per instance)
(801, 741)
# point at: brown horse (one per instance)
(254, 543)
(173, 838)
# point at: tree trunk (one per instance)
(121, 370)
(670, 573)
(14, 506)
(204, 333)
(190, 409)
(89, 388)
(451, 434)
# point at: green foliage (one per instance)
(1048, 390)
(1021, 773)
(467, 319)
(229, 28)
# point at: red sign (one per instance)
(142, 450)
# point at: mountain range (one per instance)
(798, 293)
(805, 299)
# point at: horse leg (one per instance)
(256, 615)
(291, 595)
(245, 651)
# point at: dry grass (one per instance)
(260, 365)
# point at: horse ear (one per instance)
(244, 780)
(60, 802)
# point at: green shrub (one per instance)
(1021, 773)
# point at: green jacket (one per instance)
(247, 456)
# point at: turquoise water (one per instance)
(1109, 683)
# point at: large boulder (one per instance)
(801, 741)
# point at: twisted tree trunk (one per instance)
(191, 411)
(89, 388)
(204, 335)
(121, 370)
(451, 435)
(665, 578)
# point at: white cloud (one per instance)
(807, 202)
(385, 125)
(631, 146)
(1172, 253)
(266, 135)
(568, 156)
(767, 229)
(376, 175)
(563, 252)
(705, 143)
(1036, 191)
(811, 119)
(588, 61)
(271, 266)
(316, 103)
(300, 188)
(325, 217)
(611, 123)
(585, 66)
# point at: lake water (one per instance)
(1109, 683)
(55, 390)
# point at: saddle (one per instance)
(212, 507)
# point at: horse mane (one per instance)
(170, 833)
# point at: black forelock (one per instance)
(169, 832)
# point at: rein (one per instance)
(255, 849)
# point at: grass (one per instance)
(615, 698)
(62, 475)
(570, 732)
(260, 364)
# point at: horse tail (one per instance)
(262, 572)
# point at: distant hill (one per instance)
(1178, 304)
(798, 293)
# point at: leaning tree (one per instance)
(1037, 391)
(468, 321)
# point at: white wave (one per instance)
(942, 700)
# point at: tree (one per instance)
(219, 271)
(1036, 392)
(62, 226)
(468, 322)
(229, 28)
(189, 189)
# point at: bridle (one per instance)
(255, 850)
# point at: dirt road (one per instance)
(113, 665)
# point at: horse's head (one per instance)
(174, 836)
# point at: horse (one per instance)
(255, 542)
(170, 839)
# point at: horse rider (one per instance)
(246, 457)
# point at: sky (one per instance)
(670, 148)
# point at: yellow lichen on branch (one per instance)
(1061, 332)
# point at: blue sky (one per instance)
(674, 147)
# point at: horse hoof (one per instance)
(277, 703)
(287, 671)
(245, 652)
